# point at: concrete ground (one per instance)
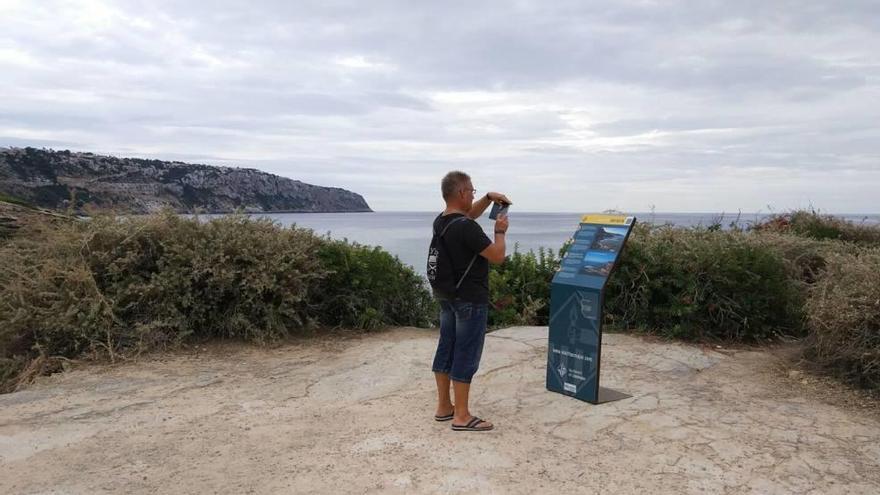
(354, 415)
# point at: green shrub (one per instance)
(815, 225)
(369, 288)
(705, 283)
(108, 285)
(519, 289)
(113, 287)
(702, 284)
(232, 277)
(804, 256)
(843, 315)
(698, 283)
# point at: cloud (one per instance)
(568, 105)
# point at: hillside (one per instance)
(50, 179)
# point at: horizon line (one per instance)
(721, 213)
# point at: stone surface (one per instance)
(354, 415)
(50, 179)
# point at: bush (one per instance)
(519, 289)
(843, 313)
(815, 225)
(709, 284)
(369, 288)
(698, 283)
(115, 287)
(14, 214)
(702, 284)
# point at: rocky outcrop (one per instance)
(55, 179)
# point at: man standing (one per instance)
(463, 315)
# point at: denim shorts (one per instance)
(462, 333)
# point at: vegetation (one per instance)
(815, 225)
(700, 284)
(800, 274)
(114, 287)
(365, 287)
(5, 198)
(694, 284)
(520, 288)
(843, 315)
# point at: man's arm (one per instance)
(481, 204)
(495, 253)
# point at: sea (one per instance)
(408, 234)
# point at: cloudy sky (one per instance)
(563, 105)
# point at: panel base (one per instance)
(608, 395)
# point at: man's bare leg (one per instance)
(462, 414)
(444, 403)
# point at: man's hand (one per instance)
(495, 253)
(496, 197)
(479, 206)
(501, 224)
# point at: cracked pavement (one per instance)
(354, 415)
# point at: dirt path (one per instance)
(355, 416)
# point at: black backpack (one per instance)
(441, 274)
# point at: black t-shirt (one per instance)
(464, 239)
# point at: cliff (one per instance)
(51, 179)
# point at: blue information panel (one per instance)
(576, 298)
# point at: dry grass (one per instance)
(843, 313)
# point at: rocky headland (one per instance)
(65, 179)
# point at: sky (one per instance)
(576, 106)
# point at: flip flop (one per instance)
(444, 418)
(472, 426)
(447, 417)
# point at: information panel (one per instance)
(576, 298)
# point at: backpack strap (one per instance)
(466, 272)
(468, 269)
(443, 232)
